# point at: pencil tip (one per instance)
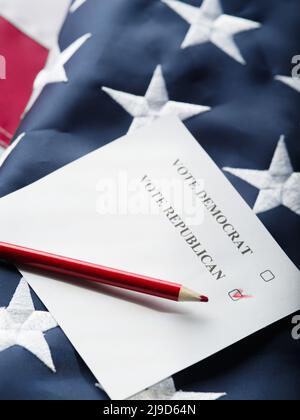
(188, 295)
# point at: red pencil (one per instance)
(56, 264)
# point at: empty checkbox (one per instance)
(267, 276)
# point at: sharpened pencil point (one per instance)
(188, 295)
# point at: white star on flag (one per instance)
(154, 104)
(209, 24)
(292, 82)
(166, 390)
(54, 72)
(76, 4)
(279, 185)
(21, 325)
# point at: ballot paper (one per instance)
(152, 203)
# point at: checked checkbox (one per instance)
(235, 295)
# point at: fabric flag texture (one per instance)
(224, 67)
(28, 30)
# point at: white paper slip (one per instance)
(152, 203)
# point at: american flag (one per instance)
(230, 70)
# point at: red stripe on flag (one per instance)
(24, 59)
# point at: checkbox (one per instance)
(235, 295)
(267, 276)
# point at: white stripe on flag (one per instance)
(39, 19)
